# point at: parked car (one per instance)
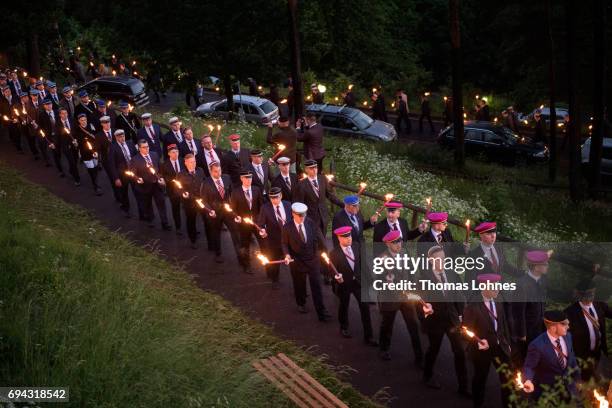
(545, 114)
(496, 142)
(116, 88)
(255, 109)
(351, 122)
(606, 156)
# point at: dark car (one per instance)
(496, 143)
(345, 121)
(116, 88)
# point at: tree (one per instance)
(552, 145)
(296, 68)
(455, 36)
(571, 14)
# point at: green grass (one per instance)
(83, 307)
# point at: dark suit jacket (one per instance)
(44, 122)
(169, 174)
(265, 186)
(504, 265)
(14, 88)
(240, 205)
(382, 228)
(285, 136)
(341, 219)
(542, 366)
(427, 240)
(97, 115)
(211, 195)
(279, 182)
(185, 149)
(139, 166)
(528, 308)
(305, 254)
(129, 124)
(232, 164)
(201, 159)
(154, 145)
(580, 329)
(103, 144)
(193, 185)
(313, 141)
(89, 110)
(66, 138)
(338, 258)
(70, 107)
(83, 136)
(116, 160)
(169, 138)
(447, 309)
(477, 317)
(267, 219)
(317, 205)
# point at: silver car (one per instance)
(251, 108)
(606, 156)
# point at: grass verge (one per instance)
(83, 307)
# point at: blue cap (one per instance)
(66, 89)
(123, 104)
(38, 83)
(51, 84)
(22, 94)
(100, 102)
(34, 92)
(81, 115)
(47, 101)
(83, 93)
(351, 200)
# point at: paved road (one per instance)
(276, 308)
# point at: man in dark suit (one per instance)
(15, 85)
(311, 134)
(285, 136)
(394, 222)
(551, 356)
(64, 127)
(191, 179)
(486, 318)
(104, 138)
(174, 135)
(235, 159)
(87, 141)
(53, 95)
(128, 121)
(261, 172)
(102, 111)
(285, 180)
(25, 109)
(272, 217)
(86, 106)
(207, 154)
(314, 191)
(151, 133)
(587, 318)
(47, 119)
(149, 184)
(301, 241)
(438, 235)
(216, 192)
(352, 217)
(346, 258)
(447, 305)
(190, 145)
(119, 157)
(528, 308)
(246, 201)
(170, 170)
(68, 101)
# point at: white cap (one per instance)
(283, 160)
(146, 115)
(173, 120)
(105, 119)
(299, 208)
(119, 132)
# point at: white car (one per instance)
(606, 156)
(254, 109)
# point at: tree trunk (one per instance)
(455, 37)
(229, 94)
(552, 145)
(33, 54)
(599, 86)
(571, 14)
(296, 68)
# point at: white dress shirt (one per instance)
(592, 329)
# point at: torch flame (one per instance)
(445, 98)
(365, 103)
(281, 147)
(218, 127)
(247, 220)
(362, 185)
(264, 259)
(42, 133)
(330, 177)
(211, 127)
(350, 87)
(152, 170)
(129, 173)
(89, 145)
(603, 403)
(109, 103)
(178, 183)
(200, 203)
(5, 117)
(427, 94)
(91, 63)
(468, 332)
(227, 207)
(389, 196)
(16, 111)
(283, 101)
(325, 257)
(519, 380)
(467, 223)
(541, 106)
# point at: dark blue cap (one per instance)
(81, 115)
(66, 89)
(22, 94)
(34, 92)
(51, 84)
(83, 93)
(123, 104)
(351, 200)
(47, 101)
(38, 83)
(100, 102)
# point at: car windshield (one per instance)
(362, 120)
(511, 137)
(267, 107)
(137, 87)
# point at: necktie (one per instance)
(52, 118)
(301, 231)
(108, 136)
(591, 311)
(439, 238)
(247, 194)
(494, 262)
(126, 153)
(191, 147)
(178, 136)
(349, 256)
(354, 221)
(560, 356)
(67, 125)
(148, 160)
(394, 227)
(493, 314)
(315, 184)
(151, 134)
(260, 173)
(210, 153)
(288, 182)
(176, 168)
(279, 216)
(220, 188)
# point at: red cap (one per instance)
(488, 277)
(233, 137)
(392, 236)
(437, 217)
(343, 231)
(393, 205)
(171, 147)
(487, 226)
(537, 257)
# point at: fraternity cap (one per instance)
(310, 163)
(299, 208)
(392, 236)
(34, 92)
(487, 226)
(47, 101)
(81, 115)
(283, 160)
(256, 153)
(343, 231)
(100, 102)
(275, 192)
(4, 88)
(66, 89)
(119, 132)
(146, 115)
(38, 83)
(554, 316)
(233, 137)
(173, 119)
(489, 277)
(537, 257)
(22, 94)
(51, 84)
(351, 200)
(83, 93)
(437, 217)
(392, 205)
(123, 104)
(213, 163)
(105, 119)
(246, 173)
(171, 147)
(3, 75)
